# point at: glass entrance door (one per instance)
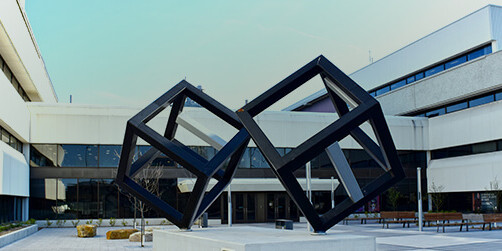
(244, 207)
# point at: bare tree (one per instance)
(149, 179)
(496, 189)
(437, 196)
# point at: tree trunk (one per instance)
(135, 208)
(142, 224)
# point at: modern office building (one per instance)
(439, 94)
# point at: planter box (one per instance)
(17, 235)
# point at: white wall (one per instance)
(473, 125)
(13, 115)
(19, 49)
(465, 174)
(14, 172)
(81, 124)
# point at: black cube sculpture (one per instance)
(344, 94)
(203, 169)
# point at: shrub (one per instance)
(112, 222)
(49, 222)
(100, 221)
(124, 222)
(75, 223)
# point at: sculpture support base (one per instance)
(254, 239)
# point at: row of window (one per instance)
(432, 70)
(51, 155)
(10, 76)
(88, 199)
(485, 147)
(460, 105)
(10, 140)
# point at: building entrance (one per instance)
(259, 207)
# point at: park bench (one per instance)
(446, 219)
(403, 217)
(283, 224)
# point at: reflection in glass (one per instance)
(245, 160)
(434, 70)
(398, 84)
(455, 62)
(68, 204)
(481, 101)
(88, 198)
(257, 159)
(109, 155)
(43, 155)
(456, 107)
(80, 156)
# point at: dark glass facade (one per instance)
(81, 196)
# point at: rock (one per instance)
(136, 237)
(150, 229)
(120, 233)
(86, 230)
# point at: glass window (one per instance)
(488, 49)
(108, 199)
(398, 84)
(482, 100)
(498, 96)
(455, 62)
(434, 70)
(88, 198)
(245, 160)
(459, 151)
(68, 204)
(43, 155)
(484, 147)
(419, 76)
(435, 113)
(410, 79)
(80, 156)
(479, 52)
(257, 159)
(7, 72)
(109, 155)
(383, 90)
(499, 145)
(13, 142)
(15, 83)
(373, 94)
(456, 107)
(5, 136)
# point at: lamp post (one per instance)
(419, 193)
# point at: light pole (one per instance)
(419, 192)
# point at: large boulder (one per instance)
(136, 237)
(86, 230)
(120, 233)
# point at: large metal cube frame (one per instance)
(343, 92)
(203, 169)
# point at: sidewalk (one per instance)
(394, 238)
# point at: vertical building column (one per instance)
(25, 207)
(429, 197)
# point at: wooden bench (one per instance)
(398, 217)
(485, 219)
(446, 219)
(491, 219)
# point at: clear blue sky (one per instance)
(125, 52)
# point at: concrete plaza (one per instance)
(394, 238)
